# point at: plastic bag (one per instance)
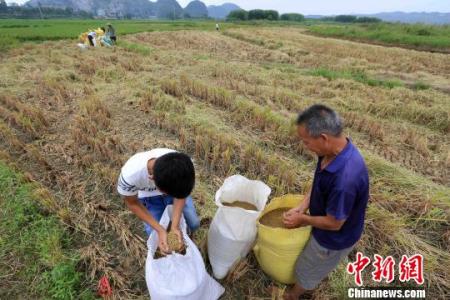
(82, 46)
(178, 276)
(277, 249)
(233, 230)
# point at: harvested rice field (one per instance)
(69, 119)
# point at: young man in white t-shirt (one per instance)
(149, 181)
(92, 38)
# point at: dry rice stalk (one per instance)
(132, 243)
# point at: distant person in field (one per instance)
(94, 35)
(92, 38)
(105, 39)
(111, 32)
(217, 27)
(149, 181)
(337, 200)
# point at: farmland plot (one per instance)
(70, 119)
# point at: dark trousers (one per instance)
(91, 40)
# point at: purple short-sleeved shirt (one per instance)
(341, 190)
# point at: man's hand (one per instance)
(302, 207)
(328, 222)
(177, 231)
(294, 218)
(162, 241)
(293, 211)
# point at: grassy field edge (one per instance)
(421, 37)
(36, 250)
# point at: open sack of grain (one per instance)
(233, 229)
(178, 275)
(277, 248)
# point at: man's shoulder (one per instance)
(134, 165)
(152, 153)
(356, 159)
(158, 152)
(354, 171)
(139, 160)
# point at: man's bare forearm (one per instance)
(304, 206)
(178, 205)
(323, 222)
(141, 212)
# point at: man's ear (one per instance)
(324, 137)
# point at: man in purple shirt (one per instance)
(337, 200)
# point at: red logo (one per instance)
(411, 268)
(384, 268)
(358, 266)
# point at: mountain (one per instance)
(413, 17)
(196, 9)
(163, 9)
(168, 9)
(122, 8)
(315, 16)
(51, 3)
(221, 11)
(110, 8)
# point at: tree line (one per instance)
(352, 19)
(260, 14)
(273, 15)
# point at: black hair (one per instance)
(103, 28)
(320, 119)
(174, 174)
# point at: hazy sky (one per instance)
(325, 7)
